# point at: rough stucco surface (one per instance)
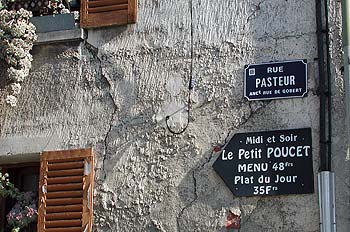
(114, 92)
(340, 162)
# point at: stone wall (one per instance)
(120, 90)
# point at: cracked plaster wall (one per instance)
(340, 162)
(114, 92)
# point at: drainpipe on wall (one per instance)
(326, 189)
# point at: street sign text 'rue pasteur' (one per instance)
(268, 163)
(275, 80)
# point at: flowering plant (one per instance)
(57, 7)
(17, 35)
(25, 210)
(7, 189)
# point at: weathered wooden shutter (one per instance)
(101, 13)
(66, 191)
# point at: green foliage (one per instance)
(4, 3)
(17, 36)
(7, 189)
(25, 210)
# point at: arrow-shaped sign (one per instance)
(268, 163)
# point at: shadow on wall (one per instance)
(101, 36)
(3, 79)
(3, 74)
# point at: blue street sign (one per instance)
(275, 80)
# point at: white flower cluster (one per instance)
(76, 15)
(11, 100)
(17, 36)
(57, 7)
(17, 75)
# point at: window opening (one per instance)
(46, 7)
(25, 177)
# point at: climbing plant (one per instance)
(17, 36)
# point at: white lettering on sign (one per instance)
(261, 190)
(268, 163)
(288, 138)
(256, 93)
(258, 167)
(271, 139)
(292, 151)
(228, 156)
(264, 179)
(296, 90)
(285, 179)
(251, 154)
(274, 69)
(254, 140)
(274, 81)
(267, 92)
(244, 180)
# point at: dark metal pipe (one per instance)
(328, 92)
(325, 176)
(322, 87)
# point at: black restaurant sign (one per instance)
(268, 163)
(275, 80)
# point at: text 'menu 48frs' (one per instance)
(268, 163)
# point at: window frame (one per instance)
(4, 169)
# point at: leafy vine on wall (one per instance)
(17, 36)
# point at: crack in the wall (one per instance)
(252, 112)
(255, 10)
(253, 211)
(48, 142)
(196, 196)
(94, 52)
(179, 216)
(107, 137)
(208, 160)
(113, 115)
(266, 226)
(124, 91)
(291, 36)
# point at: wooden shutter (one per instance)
(101, 13)
(66, 191)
